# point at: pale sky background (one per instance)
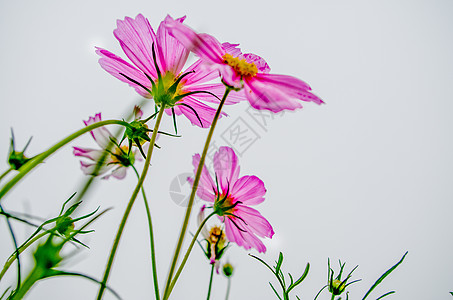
(363, 178)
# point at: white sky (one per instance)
(363, 178)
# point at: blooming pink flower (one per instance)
(249, 71)
(116, 162)
(231, 197)
(153, 78)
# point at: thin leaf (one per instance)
(263, 262)
(64, 273)
(4, 293)
(279, 263)
(301, 278)
(174, 119)
(275, 291)
(383, 276)
(316, 297)
(386, 294)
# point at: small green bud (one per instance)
(65, 225)
(138, 131)
(228, 270)
(337, 287)
(17, 159)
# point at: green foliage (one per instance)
(277, 271)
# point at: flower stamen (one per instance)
(241, 66)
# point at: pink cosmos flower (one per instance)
(249, 71)
(231, 197)
(116, 162)
(159, 59)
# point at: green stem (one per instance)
(192, 195)
(228, 288)
(210, 282)
(186, 256)
(35, 275)
(41, 157)
(131, 202)
(5, 173)
(21, 249)
(151, 240)
(333, 297)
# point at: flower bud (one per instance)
(337, 287)
(64, 225)
(17, 159)
(228, 270)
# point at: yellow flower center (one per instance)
(241, 66)
(216, 234)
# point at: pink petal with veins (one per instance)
(173, 55)
(136, 37)
(226, 168)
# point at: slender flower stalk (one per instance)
(20, 249)
(228, 289)
(186, 256)
(151, 239)
(130, 204)
(210, 281)
(5, 173)
(192, 196)
(30, 165)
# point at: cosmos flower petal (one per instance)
(232, 49)
(262, 96)
(206, 186)
(289, 85)
(203, 45)
(200, 218)
(116, 66)
(258, 61)
(243, 238)
(249, 190)
(88, 168)
(200, 73)
(173, 55)
(120, 172)
(101, 135)
(226, 168)
(256, 223)
(205, 112)
(136, 37)
(217, 89)
(92, 154)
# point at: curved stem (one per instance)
(131, 202)
(151, 240)
(228, 288)
(186, 256)
(34, 276)
(210, 282)
(41, 157)
(5, 173)
(21, 249)
(16, 251)
(192, 195)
